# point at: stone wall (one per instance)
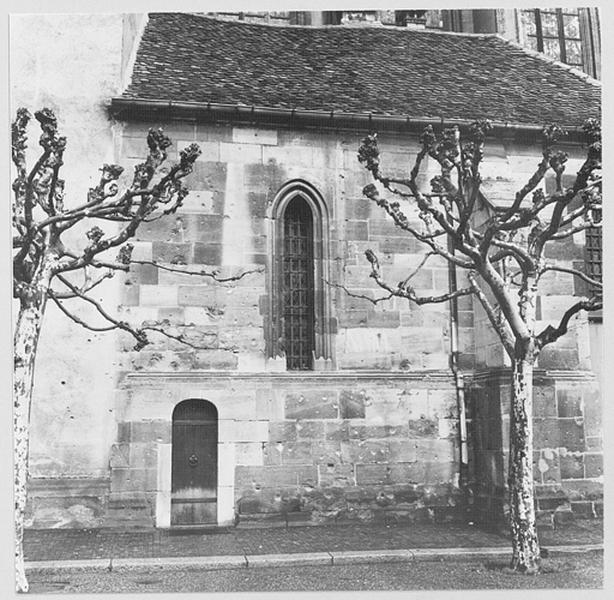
(308, 449)
(225, 224)
(568, 447)
(71, 63)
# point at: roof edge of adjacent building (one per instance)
(123, 108)
(585, 77)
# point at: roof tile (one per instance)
(192, 58)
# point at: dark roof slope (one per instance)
(189, 58)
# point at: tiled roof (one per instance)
(190, 58)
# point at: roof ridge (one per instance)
(551, 61)
(344, 27)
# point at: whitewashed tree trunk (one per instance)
(27, 332)
(525, 545)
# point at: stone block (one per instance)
(129, 293)
(583, 510)
(208, 176)
(120, 454)
(351, 405)
(544, 403)
(144, 456)
(593, 414)
(423, 427)
(143, 274)
(243, 431)
(546, 433)
(399, 245)
(125, 480)
(271, 453)
(282, 431)
(245, 135)
(158, 295)
(552, 502)
(310, 429)
(240, 153)
(250, 477)
(402, 451)
(170, 252)
(569, 402)
(197, 295)
(593, 465)
(334, 474)
(547, 463)
(365, 451)
(336, 430)
(312, 405)
(572, 465)
(358, 208)
(366, 432)
(572, 434)
(558, 358)
(435, 450)
(199, 202)
(214, 360)
(210, 151)
(249, 453)
(356, 230)
(158, 431)
(296, 453)
(383, 319)
(206, 253)
(326, 453)
(373, 474)
(563, 517)
(354, 318)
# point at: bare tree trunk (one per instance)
(525, 545)
(27, 332)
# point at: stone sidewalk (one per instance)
(250, 547)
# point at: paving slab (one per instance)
(297, 558)
(371, 556)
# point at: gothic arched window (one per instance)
(299, 313)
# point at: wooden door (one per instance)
(194, 463)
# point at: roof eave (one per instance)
(141, 109)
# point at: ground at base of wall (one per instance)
(65, 544)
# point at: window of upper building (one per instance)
(555, 32)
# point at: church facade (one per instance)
(298, 399)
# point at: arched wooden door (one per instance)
(194, 463)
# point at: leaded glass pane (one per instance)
(571, 26)
(549, 24)
(552, 48)
(528, 21)
(573, 51)
(297, 295)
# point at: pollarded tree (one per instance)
(504, 260)
(51, 266)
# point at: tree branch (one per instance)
(201, 273)
(405, 291)
(574, 272)
(551, 334)
(495, 317)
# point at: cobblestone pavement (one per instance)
(67, 544)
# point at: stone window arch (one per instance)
(299, 321)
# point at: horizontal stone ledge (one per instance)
(154, 377)
(504, 374)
